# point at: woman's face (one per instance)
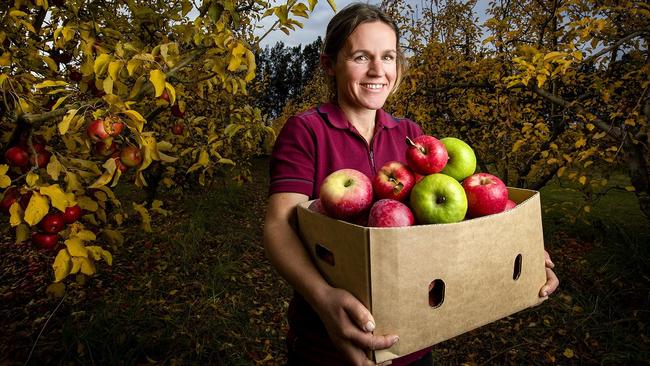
(366, 67)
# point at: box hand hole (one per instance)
(517, 270)
(324, 254)
(436, 293)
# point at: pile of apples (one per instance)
(438, 184)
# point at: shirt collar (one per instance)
(337, 118)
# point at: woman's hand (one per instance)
(552, 281)
(350, 325)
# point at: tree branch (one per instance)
(605, 50)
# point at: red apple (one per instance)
(177, 112)
(164, 96)
(131, 156)
(123, 168)
(11, 196)
(510, 205)
(394, 180)
(426, 154)
(486, 194)
(72, 214)
(16, 156)
(346, 193)
(45, 241)
(43, 158)
(390, 213)
(178, 128)
(105, 148)
(100, 129)
(52, 223)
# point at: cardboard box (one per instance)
(430, 283)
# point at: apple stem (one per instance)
(410, 143)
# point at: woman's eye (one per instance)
(361, 58)
(389, 58)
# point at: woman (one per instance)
(329, 326)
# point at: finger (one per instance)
(356, 355)
(552, 282)
(547, 260)
(359, 314)
(378, 342)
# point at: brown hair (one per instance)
(345, 22)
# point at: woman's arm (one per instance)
(347, 321)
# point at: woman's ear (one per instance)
(327, 64)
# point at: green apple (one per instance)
(462, 160)
(438, 199)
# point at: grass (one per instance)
(200, 291)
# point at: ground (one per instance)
(199, 290)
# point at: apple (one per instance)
(43, 158)
(426, 154)
(394, 180)
(25, 198)
(164, 96)
(346, 193)
(131, 156)
(44, 240)
(123, 168)
(438, 198)
(178, 128)
(52, 223)
(75, 76)
(99, 129)
(317, 206)
(72, 214)
(486, 194)
(510, 205)
(17, 156)
(388, 212)
(105, 148)
(177, 112)
(462, 160)
(11, 196)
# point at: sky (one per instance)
(317, 22)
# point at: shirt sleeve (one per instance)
(293, 161)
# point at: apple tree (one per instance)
(93, 93)
(540, 90)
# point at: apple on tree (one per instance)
(52, 223)
(72, 214)
(11, 195)
(462, 160)
(426, 154)
(101, 129)
(486, 194)
(346, 193)
(17, 156)
(437, 199)
(393, 180)
(131, 156)
(178, 129)
(44, 240)
(388, 212)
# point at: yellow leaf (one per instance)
(76, 247)
(55, 290)
(62, 265)
(517, 145)
(107, 85)
(157, 78)
(582, 180)
(36, 209)
(64, 125)
(22, 233)
(114, 69)
(171, 92)
(136, 118)
(109, 171)
(17, 14)
(60, 200)
(99, 253)
(156, 205)
(54, 168)
(332, 5)
(568, 353)
(50, 63)
(72, 181)
(87, 266)
(87, 204)
(236, 58)
(50, 83)
(5, 181)
(600, 135)
(630, 188)
(133, 65)
(86, 235)
(581, 142)
(114, 237)
(31, 179)
(76, 265)
(590, 126)
(144, 214)
(101, 64)
(5, 59)
(59, 102)
(587, 209)
(16, 214)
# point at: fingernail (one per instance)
(550, 262)
(545, 293)
(369, 327)
(395, 339)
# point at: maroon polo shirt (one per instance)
(321, 140)
(310, 146)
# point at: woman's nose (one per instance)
(376, 67)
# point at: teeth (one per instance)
(373, 86)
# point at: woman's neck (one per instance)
(362, 120)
